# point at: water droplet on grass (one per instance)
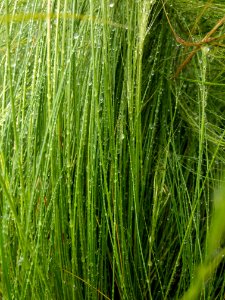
(21, 259)
(76, 36)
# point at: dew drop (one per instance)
(76, 36)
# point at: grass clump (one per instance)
(108, 156)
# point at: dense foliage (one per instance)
(111, 147)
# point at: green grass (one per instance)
(111, 170)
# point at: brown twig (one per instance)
(206, 40)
